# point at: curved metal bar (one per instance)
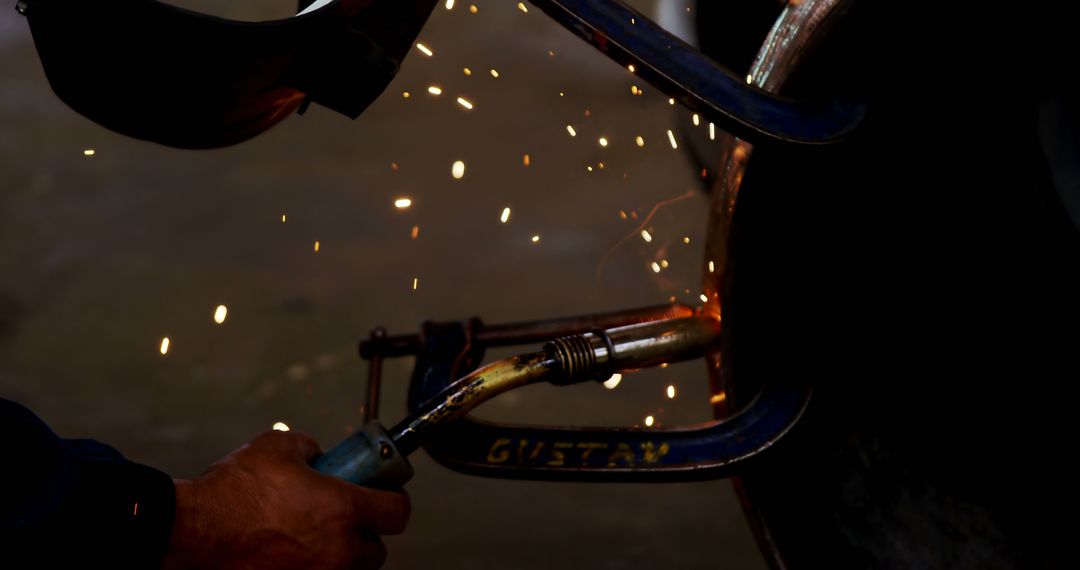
(796, 32)
(698, 82)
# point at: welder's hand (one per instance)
(262, 506)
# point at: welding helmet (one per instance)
(184, 79)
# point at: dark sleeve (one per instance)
(65, 502)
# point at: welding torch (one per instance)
(377, 457)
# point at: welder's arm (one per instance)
(66, 501)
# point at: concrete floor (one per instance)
(102, 256)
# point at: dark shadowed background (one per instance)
(102, 256)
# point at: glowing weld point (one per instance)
(696, 119)
(505, 216)
(655, 267)
(603, 141)
(521, 6)
(712, 131)
(536, 239)
(649, 421)
(645, 235)
(434, 90)
(612, 382)
(712, 267)
(219, 314)
(458, 170)
(164, 346)
(425, 50)
(671, 138)
(704, 299)
(494, 74)
(570, 129)
(464, 103)
(89, 152)
(671, 392)
(280, 426)
(449, 4)
(640, 141)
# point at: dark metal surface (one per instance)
(698, 82)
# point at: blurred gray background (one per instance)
(102, 256)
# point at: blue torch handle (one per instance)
(368, 457)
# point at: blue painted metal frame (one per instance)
(698, 82)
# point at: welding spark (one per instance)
(641, 227)
(219, 314)
(468, 71)
(525, 160)
(458, 170)
(655, 267)
(415, 283)
(589, 168)
(280, 426)
(536, 239)
(634, 90)
(494, 73)
(89, 152)
(631, 68)
(686, 240)
(402, 203)
(316, 246)
(283, 218)
(664, 263)
(425, 50)
(505, 216)
(612, 382)
(415, 232)
(671, 392)
(449, 4)
(696, 119)
(473, 9)
(703, 298)
(405, 94)
(712, 267)
(640, 141)
(464, 103)
(603, 141)
(521, 6)
(570, 129)
(164, 345)
(434, 90)
(645, 235)
(671, 138)
(622, 214)
(671, 101)
(649, 421)
(712, 131)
